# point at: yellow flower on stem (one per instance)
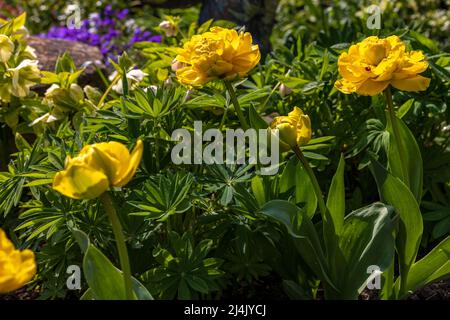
(16, 267)
(293, 130)
(97, 168)
(217, 54)
(370, 66)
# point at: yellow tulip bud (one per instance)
(97, 168)
(370, 66)
(16, 267)
(293, 129)
(287, 133)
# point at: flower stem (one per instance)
(401, 154)
(113, 82)
(108, 205)
(397, 138)
(237, 107)
(315, 183)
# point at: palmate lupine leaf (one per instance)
(164, 196)
(13, 182)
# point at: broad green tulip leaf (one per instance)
(87, 295)
(394, 192)
(141, 292)
(295, 291)
(105, 280)
(387, 283)
(287, 179)
(305, 236)
(405, 160)
(336, 198)
(295, 175)
(256, 122)
(404, 108)
(433, 267)
(366, 240)
(82, 239)
(258, 190)
(304, 191)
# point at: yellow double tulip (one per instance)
(97, 168)
(16, 267)
(293, 129)
(218, 54)
(372, 65)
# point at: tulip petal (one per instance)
(188, 75)
(417, 83)
(115, 157)
(346, 86)
(303, 130)
(296, 113)
(16, 267)
(133, 164)
(371, 88)
(218, 54)
(81, 182)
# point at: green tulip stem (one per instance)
(315, 183)
(398, 140)
(401, 153)
(237, 107)
(107, 202)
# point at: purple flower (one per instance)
(123, 14)
(104, 30)
(108, 10)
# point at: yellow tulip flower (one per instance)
(97, 168)
(217, 54)
(294, 129)
(372, 65)
(16, 267)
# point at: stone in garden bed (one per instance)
(48, 51)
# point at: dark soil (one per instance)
(21, 294)
(269, 289)
(436, 291)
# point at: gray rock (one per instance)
(48, 51)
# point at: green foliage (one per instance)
(185, 271)
(199, 231)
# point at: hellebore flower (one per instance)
(6, 48)
(217, 54)
(169, 28)
(372, 65)
(293, 129)
(19, 80)
(133, 77)
(97, 168)
(16, 267)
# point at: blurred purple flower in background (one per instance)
(110, 30)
